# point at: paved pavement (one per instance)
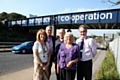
(26, 74)
(97, 62)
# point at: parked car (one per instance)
(24, 47)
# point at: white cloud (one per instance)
(83, 10)
(72, 10)
(68, 10)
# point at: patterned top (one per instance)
(42, 51)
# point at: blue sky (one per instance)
(50, 7)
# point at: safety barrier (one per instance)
(5, 46)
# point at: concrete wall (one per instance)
(115, 48)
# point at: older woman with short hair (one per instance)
(68, 56)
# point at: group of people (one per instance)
(69, 57)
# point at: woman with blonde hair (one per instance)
(41, 54)
(68, 56)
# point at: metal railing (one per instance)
(8, 45)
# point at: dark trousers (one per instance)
(50, 65)
(84, 69)
(57, 75)
(67, 74)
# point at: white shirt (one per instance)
(89, 48)
(43, 55)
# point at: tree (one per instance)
(112, 2)
(11, 16)
(93, 36)
(3, 16)
(118, 33)
(15, 16)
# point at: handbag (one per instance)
(40, 74)
(44, 75)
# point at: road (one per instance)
(10, 62)
(19, 65)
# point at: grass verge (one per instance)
(108, 69)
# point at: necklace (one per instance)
(44, 50)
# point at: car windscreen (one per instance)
(25, 43)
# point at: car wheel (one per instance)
(23, 51)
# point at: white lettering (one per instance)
(31, 21)
(46, 19)
(19, 22)
(58, 18)
(38, 20)
(86, 16)
(82, 17)
(95, 16)
(109, 15)
(67, 18)
(62, 18)
(24, 21)
(90, 17)
(102, 16)
(75, 18)
(78, 17)
(13, 22)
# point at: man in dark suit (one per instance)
(51, 41)
(58, 42)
